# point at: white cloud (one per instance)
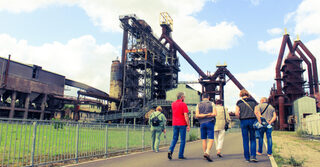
(271, 46)
(194, 36)
(307, 17)
(251, 80)
(255, 2)
(18, 6)
(288, 17)
(188, 77)
(275, 31)
(314, 48)
(265, 74)
(80, 59)
(191, 34)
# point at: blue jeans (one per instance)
(248, 132)
(176, 130)
(268, 132)
(155, 136)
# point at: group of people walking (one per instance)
(214, 121)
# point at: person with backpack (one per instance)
(157, 121)
(266, 116)
(245, 112)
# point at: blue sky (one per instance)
(78, 38)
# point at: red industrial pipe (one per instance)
(189, 60)
(234, 80)
(314, 65)
(124, 43)
(309, 69)
(281, 113)
(285, 40)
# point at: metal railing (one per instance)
(34, 142)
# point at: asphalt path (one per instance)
(232, 156)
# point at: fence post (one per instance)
(127, 140)
(34, 142)
(165, 136)
(106, 153)
(142, 138)
(77, 143)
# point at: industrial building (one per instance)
(146, 76)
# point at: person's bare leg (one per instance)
(218, 151)
(204, 145)
(209, 146)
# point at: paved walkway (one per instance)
(232, 151)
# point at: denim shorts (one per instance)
(207, 130)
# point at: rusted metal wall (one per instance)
(27, 79)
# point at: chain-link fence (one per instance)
(33, 142)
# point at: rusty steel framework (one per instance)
(149, 67)
(211, 84)
(290, 85)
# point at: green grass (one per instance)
(53, 144)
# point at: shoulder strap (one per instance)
(247, 105)
(224, 114)
(265, 109)
(158, 114)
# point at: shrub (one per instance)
(294, 162)
(193, 137)
(57, 124)
(301, 133)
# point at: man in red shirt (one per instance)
(180, 123)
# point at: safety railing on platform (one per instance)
(34, 143)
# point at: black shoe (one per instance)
(253, 160)
(182, 158)
(169, 155)
(219, 155)
(207, 156)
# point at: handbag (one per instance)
(226, 125)
(264, 122)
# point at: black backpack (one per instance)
(155, 121)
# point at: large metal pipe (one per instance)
(112, 99)
(314, 65)
(234, 80)
(281, 113)
(189, 60)
(279, 61)
(309, 68)
(85, 87)
(124, 42)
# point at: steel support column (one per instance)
(43, 106)
(13, 103)
(26, 107)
